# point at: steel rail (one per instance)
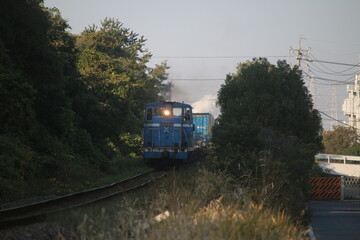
(10, 216)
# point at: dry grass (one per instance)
(195, 205)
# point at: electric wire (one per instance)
(329, 84)
(337, 120)
(335, 63)
(346, 81)
(196, 79)
(333, 81)
(326, 83)
(321, 63)
(217, 57)
(342, 73)
(312, 68)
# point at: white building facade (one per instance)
(351, 106)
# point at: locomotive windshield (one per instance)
(167, 111)
(159, 111)
(177, 112)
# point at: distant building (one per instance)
(351, 106)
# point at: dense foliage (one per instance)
(70, 105)
(268, 131)
(341, 140)
(189, 204)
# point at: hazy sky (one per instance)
(175, 29)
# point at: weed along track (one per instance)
(26, 213)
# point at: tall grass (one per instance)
(195, 204)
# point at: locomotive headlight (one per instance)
(166, 113)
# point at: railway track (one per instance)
(22, 214)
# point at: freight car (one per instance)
(168, 133)
(203, 123)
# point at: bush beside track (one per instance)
(122, 168)
(190, 203)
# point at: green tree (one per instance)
(263, 96)
(36, 114)
(341, 140)
(112, 63)
(267, 128)
(69, 103)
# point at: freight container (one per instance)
(203, 123)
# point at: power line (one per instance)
(341, 73)
(329, 81)
(333, 82)
(337, 63)
(346, 81)
(219, 57)
(329, 62)
(338, 120)
(329, 84)
(335, 72)
(196, 79)
(206, 99)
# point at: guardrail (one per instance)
(331, 158)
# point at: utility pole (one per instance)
(300, 53)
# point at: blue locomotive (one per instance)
(168, 132)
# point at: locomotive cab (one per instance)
(168, 111)
(168, 132)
